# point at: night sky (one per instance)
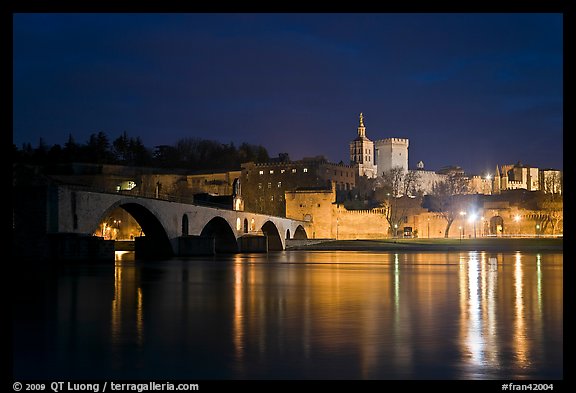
(471, 89)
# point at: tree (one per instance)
(120, 148)
(98, 148)
(397, 192)
(551, 209)
(448, 198)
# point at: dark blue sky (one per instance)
(469, 89)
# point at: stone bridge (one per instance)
(170, 228)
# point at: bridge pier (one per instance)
(253, 243)
(196, 245)
(67, 247)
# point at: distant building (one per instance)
(264, 185)
(514, 177)
(480, 185)
(427, 179)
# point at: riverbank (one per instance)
(479, 244)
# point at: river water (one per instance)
(294, 315)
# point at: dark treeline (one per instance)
(187, 153)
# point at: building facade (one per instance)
(490, 217)
(264, 185)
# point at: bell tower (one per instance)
(362, 152)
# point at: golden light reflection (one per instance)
(475, 341)
(539, 281)
(519, 340)
(478, 289)
(139, 318)
(389, 307)
(127, 311)
(117, 305)
(238, 309)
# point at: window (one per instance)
(318, 205)
(305, 170)
(272, 198)
(271, 171)
(269, 185)
(259, 186)
(282, 170)
(279, 184)
(293, 170)
(261, 172)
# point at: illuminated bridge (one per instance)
(170, 228)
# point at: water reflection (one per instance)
(392, 309)
(127, 319)
(306, 315)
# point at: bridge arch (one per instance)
(274, 240)
(224, 238)
(300, 233)
(185, 225)
(155, 242)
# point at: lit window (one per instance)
(269, 185)
(271, 171)
(261, 172)
(272, 198)
(305, 170)
(282, 170)
(294, 170)
(279, 184)
(259, 186)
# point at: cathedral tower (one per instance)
(362, 152)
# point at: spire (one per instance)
(361, 128)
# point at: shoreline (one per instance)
(481, 244)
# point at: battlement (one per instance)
(392, 141)
(300, 163)
(378, 211)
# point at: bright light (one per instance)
(488, 177)
(472, 217)
(517, 217)
(462, 213)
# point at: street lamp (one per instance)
(462, 214)
(460, 232)
(537, 230)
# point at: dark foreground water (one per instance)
(294, 315)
